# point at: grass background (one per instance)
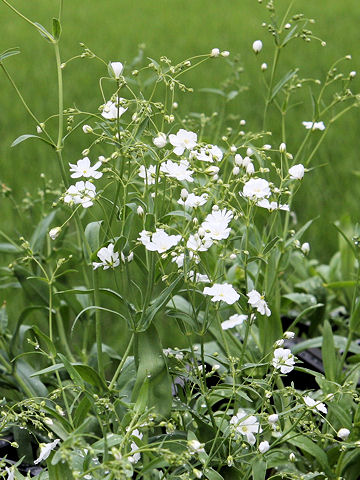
(177, 29)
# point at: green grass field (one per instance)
(178, 29)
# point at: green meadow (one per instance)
(178, 29)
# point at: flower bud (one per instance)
(289, 335)
(264, 447)
(343, 433)
(54, 232)
(282, 147)
(305, 248)
(160, 140)
(225, 53)
(140, 211)
(257, 46)
(352, 74)
(87, 129)
(292, 457)
(264, 66)
(117, 68)
(215, 52)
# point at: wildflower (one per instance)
(305, 248)
(159, 241)
(160, 140)
(225, 53)
(343, 433)
(183, 140)
(38, 129)
(282, 147)
(198, 277)
(192, 200)
(352, 74)
(197, 473)
(233, 321)
(258, 301)
(54, 232)
(314, 125)
(297, 172)
(87, 129)
(246, 425)
(136, 455)
(216, 224)
(112, 111)
(215, 52)
(209, 154)
(148, 174)
(45, 450)
(195, 447)
(256, 188)
(83, 168)
(264, 446)
(81, 193)
(289, 335)
(292, 457)
(199, 243)
(10, 472)
(273, 418)
(108, 257)
(117, 68)
(271, 206)
(311, 403)
(177, 170)
(283, 360)
(257, 46)
(222, 292)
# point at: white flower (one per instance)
(136, 455)
(140, 211)
(215, 52)
(256, 188)
(198, 277)
(209, 154)
(81, 193)
(87, 129)
(273, 418)
(284, 360)
(257, 46)
(297, 172)
(11, 473)
(343, 433)
(305, 248)
(310, 402)
(108, 257)
(222, 292)
(54, 232)
(117, 68)
(264, 446)
(282, 147)
(225, 53)
(148, 174)
(159, 241)
(216, 224)
(83, 168)
(271, 206)
(177, 170)
(289, 335)
(160, 140)
(39, 129)
(258, 301)
(246, 425)
(196, 447)
(199, 243)
(192, 200)
(264, 66)
(183, 140)
(352, 74)
(233, 321)
(314, 125)
(45, 450)
(111, 111)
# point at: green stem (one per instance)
(268, 100)
(98, 327)
(121, 364)
(59, 144)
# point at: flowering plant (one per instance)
(165, 283)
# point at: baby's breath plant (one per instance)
(167, 279)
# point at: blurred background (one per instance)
(179, 29)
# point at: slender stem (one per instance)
(268, 100)
(121, 364)
(59, 144)
(98, 327)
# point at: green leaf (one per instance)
(56, 28)
(92, 235)
(82, 410)
(152, 371)
(271, 245)
(215, 91)
(9, 53)
(44, 33)
(212, 474)
(259, 469)
(24, 371)
(9, 248)
(89, 375)
(289, 75)
(60, 471)
(75, 376)
(35, 290)
(299, 233)
(52, 368)
(355, 318)
(22, 317)
(314, 450)
(22, 138)
(50, 346)
(329, 356)
(160, 302)
(3, 319)
(41, 232)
